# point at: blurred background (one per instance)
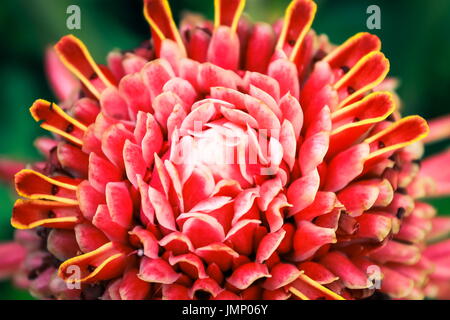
(415, 36)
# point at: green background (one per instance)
(415, 36)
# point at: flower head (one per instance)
(229, 160)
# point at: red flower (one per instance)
(232, 160)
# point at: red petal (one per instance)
(352, 50)
(268, 245)
(105, 223)
(35, 185)
(89, 238)
(365, 75)
(61, 80)
(398, 135)
(269, 189)
(104, 263)
(164, 104)
(176, 242)
(163, 210)
(183, 89)
(395, 284)
(152, 140)
(227, 13)
(243, 203)
(346, 166)
(198, 187)
(190, 264)
(148, 241)
(133, 288)
(394, 251)
(159, 16)
(358, 197)
(341, 266)
(135, 92)
(285, 72)
(248, 273)
(309, 238)
(29, 214)
(224, 40)
(89, 199)
(211, 75)
(312, 151)
(260, 47)
(113, 141)
(114, 105)
(282, 275)
(323, 203)
(241, 235)
(353, 121)
(297, 22)
(217, 253)
(203, 230)
(155, 74)
(227, 295)
(373, 226)
(198, 44)
(175, 292)
(62, 244)
(301, 192)
(157, 271)
(75, 56)
(101, 172)
(119, 203)
(56, 120)
(207, 285)
(72, 159)
(317, 272)
(274, 213)
(134, 162)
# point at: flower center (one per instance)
(226, 149)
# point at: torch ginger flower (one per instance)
(229, 160)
